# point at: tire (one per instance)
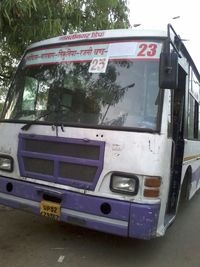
(185, 188)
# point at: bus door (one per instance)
(177, 132)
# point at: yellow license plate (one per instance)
(50, 209)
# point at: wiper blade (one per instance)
(29, 124)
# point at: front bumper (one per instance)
(123, 218)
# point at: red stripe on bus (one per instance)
(80, 61)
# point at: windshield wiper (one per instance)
(29, 124)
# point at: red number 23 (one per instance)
(147, 50)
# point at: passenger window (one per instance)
(193, 108)
(196, 118)
(42, 96)
(29, 95)
(191, 117)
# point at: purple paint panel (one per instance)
(143, 221)
(97, 205)
(103, 214)
(74, 162)
(76, 208)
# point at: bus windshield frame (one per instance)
(107, 85)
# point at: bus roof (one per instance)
(98, 35)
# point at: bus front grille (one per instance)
(68, 161)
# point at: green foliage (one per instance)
(25, 21)
(7, 68)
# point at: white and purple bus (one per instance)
(100, 129)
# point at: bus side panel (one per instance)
(192, 160)
(143, 221)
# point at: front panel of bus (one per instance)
(81, 136)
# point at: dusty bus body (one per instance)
(89, 138)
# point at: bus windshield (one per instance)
(90, 84)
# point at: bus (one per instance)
(101, 129)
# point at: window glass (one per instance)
(53, 85)
(191, 117)
(42, 96)
(29, 94)
(196, 118)
(199, 123)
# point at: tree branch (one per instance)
(4, 77)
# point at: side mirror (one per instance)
(168, 70)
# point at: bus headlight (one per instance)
(124, 184)
(6, 163)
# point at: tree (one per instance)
(25, 21)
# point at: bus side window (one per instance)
(42, 96)
(196, 119)
(35, 95)
(191, 117)
(193, 107)
(29, 95)
(198, 122)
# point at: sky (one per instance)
(156, 14)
